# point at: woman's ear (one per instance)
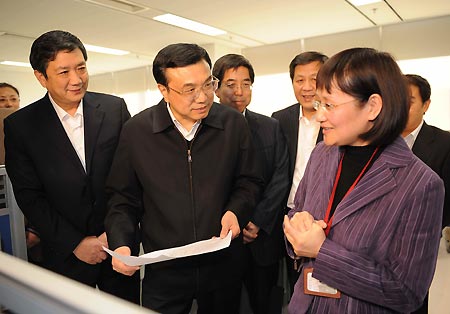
(375, 104)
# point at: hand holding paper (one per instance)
(196, 248)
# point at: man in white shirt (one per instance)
(58, 153)
(300, 127)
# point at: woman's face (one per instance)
(343, 119)
(9, 98)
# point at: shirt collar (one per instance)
(417, 130)
(62, 113)
(300, 116)
(411, 137)
(178, 124)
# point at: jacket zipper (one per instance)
(191, 184)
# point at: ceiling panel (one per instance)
(249, 23)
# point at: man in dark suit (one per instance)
(300, 128)
(58, 153)
(263, 234)
(429, 143)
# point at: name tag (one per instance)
(316, 287)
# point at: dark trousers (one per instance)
(261, 282)
(166, 294)
(101, 275)
(424, 308)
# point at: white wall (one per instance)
(422, 53)
(437, 72)
(274, 91)
(28, 86)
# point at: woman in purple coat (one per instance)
(366, 224)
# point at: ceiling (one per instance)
(128, 25)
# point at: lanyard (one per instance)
(327, 219)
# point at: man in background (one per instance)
(300, 128)
(263, 234)
(430, 144)
(184, 171)
(58, 153)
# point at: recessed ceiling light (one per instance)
(16, 63)
(189, 24)
(108, 51)
(362, 2)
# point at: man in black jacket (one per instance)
(263, 235)
(300, 128)
(184, 171)
(58, 154)
(429, 143)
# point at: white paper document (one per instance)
(196, 248)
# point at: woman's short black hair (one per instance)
(362, 72)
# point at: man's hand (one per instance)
(250, 232)
(120, 267)
(90, 251)
(306, 235)
(103, 239)
(230, 222)
(32, 239)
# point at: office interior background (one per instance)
(268, 32)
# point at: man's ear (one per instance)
(41, 78)
(164, 92)
(426, 105)
(375, 104)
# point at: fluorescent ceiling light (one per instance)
(17, 64)
(363, 2)
(189, 24)
(108, 51)
(121, 5)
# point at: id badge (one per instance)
(313, 286)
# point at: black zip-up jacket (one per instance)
(178, 191)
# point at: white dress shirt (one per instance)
(411, 137)
(74, 127)
(307, 138)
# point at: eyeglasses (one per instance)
(246, 86)
(192, 93)
(329, 107)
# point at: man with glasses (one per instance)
(184, 171)
(263, 235)
(300, 128)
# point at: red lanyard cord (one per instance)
(329, 220)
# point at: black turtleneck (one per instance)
(355, 158)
